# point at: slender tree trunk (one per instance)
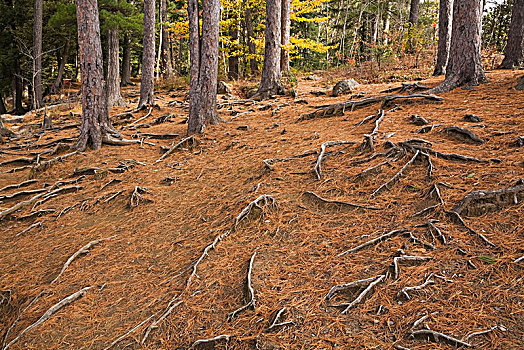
(286, 33)
(126, 62)
(232, 61)
(514, 52)
(413, 21)
(203, 65)
(248, 15)
(387, 22)
(270, 82)
(114, 98)
(165, 58)
(37, 54)
(3, 110)
(18, 89)
(95, 118)
(62, 60)
(444, 36)
(464, 64)
(147, 81)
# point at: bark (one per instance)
(444, 36)
(62, 60)
(37, 54)
(286, 33)
(126, 62)
(464, 63)
(18, 89)
(270, 82)
(203, 65)
(114, 98)
(233, 71)
(413, 21)
(95, 118)
(3, 110)
(147, 81)
(253, 65)
(166, 66)
(514, 52)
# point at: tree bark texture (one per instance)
(147, 81)
(3, 110)
(286, 33)
(444, 36)
(37, 54)
(233, 70)
(514, 52)
(464, 63)
(203, 65)
(166, 66)
(270, 82)
(126, 62)
(414, 11)
(95, 117)
(253, 65)
(114, 98)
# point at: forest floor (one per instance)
(156, 218)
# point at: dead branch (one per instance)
(20, 185)
(36, 224)
(265, 200)
(373, 241)
(136, 196)
(188, 142)
(252, 301)
(439, 337)
(463, 134)
(458, 219)
(84, 250)
(477, 203)
(213, 340)
(405, 291)
(318, 165)
(125, 335)
(371, 283)
(278, 321)
(406, 258)
(339, 203)
(52, 310)
(397, 175)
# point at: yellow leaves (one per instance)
(304, 43)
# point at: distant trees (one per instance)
(286, 33)
(514, 51)
(147, 81)
(445, 20)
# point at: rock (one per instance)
(223, 88)
(344, 87)
(472, 118)
(418, 120)
(520, 85)
(312, 77)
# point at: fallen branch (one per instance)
(252, 301)
(225, 337)
(52, 310)
(397, 175)
(440, 337)
(374, 241)
(189, 142)
(84, 250)
(318, 165)
(339, 203)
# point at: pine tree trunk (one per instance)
(165, 57)
(126, 62)
(464, 63)
(37, 54)
(147, 81)
(3, 110)
(253, 65)
(233, 70)
(95, 118)
(270, 82)
(62, 61)
(514, 52)
(114, 98)
(203, 65)
(413, 21)
(444, 36)
(18, 89)
(286, 33)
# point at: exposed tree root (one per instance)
(112, 182)
(318, 165)
(374, 241)
(463, 134)
(125, 335)
(35, 214)
(156, 323)
(406, 258)
(405, 291)
(332, 110)
(517, 260)
(21, 194)
(438, 337)
(188, 142)
(278, 321)
(18, 161)
(458, 219)
(426, 128)
(42, 166)
(20, 185)
(210, 342)
(370, 284)
(52, 310)
(337, 204)
(136, 197)
(265, 200)
(373, 169)
(268, 163)
(434, 228)
(406, 87)
(66, 210)
(477, 203)
(144, 117)
(84, 250)
(160, 136)
(16, 170)
(251, 292)
(36, 224)
(56, 193)
(474, 334)
(112, 196)
(426, 210)
(397, 175)
(415, 240)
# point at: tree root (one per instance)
(337, 204)
(56, 193)
(405, 291)
(458, 219)
(426, 210)
(84, 250)
(18, 161)
(397, 175)
(406, 87)
(373, 169)
(136, 197)
(188, 142)
(265, 199)
(463, 134)
(370, 284)
(474, 334)
(52, 310)
(211, 341)
(278, 321)
(21, 194)
(406, 258)
(439, 337)
(20, 185)
(252, 301)
(155, 324)
(415, 240)
(66, 210)
(268, 163)
(318, 165)
(34, 214)
(374, 241)
(36, 224)
(112, 182)
(42, 166)
(125, 335)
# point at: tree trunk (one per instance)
(233, 70)
(203, 65)
(286, 33)
(114, 98)
(3, 110)
(514, 52)
(126, 62)
(464, 63)
(270, 82)
(95, 118)
(444, 36)
(18, 89)
(253, 65)
(413, 21)
(147, 81)
(37, 55)
(62, 60)
(165, 57)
